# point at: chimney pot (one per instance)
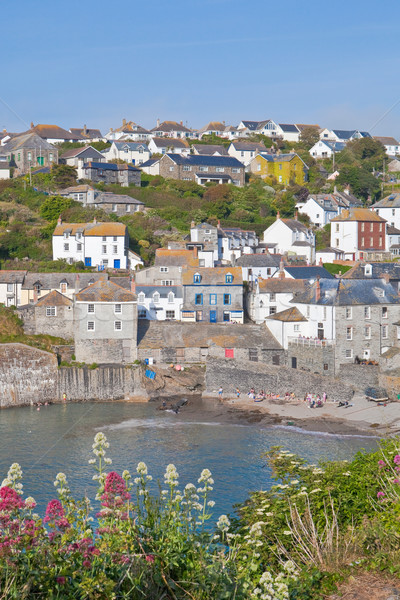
(296, 215)
(32, 125)
(85, 129)
(278, 215)
(158, 122)
(219, 224)
(318, 291)
(123, 122)
(59, 220)
(133, 285)
(181, 122)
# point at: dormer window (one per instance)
(228, 278)
(66, 235)
(156, 297)
(63, 287)
(171, 297)
(141, 297)
(368, 270)
(197, 278)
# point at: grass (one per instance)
(336, 269)
(12, 332)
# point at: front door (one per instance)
(294, 362)
(88, 261)
(213, 316)
(117, 263)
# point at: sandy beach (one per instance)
(361, 417)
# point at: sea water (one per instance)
(59, 438)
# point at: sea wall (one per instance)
(103, 383)
(27, 375)
(246, 374)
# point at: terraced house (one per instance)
(283, 168)
(202, 169)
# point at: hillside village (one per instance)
(286, 260)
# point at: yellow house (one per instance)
(285, 168)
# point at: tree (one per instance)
(63, 175)
(53, 206)
(363, 184)
(368, 152)
(309, 136)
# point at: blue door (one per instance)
(88, 261)
(117, 263)
(213, 316)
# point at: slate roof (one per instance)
(198, 160)
(346, 292)
(329, 249)
(212, 275)
(105, 291)
(167, 142)
(163, 290)
(334, 146)
(164, 334)
(204, 175)
(168, 126)
(110, 198)
(109, 166)
(91, 229)
(49, 281)
(12, 276)
(149, 162)
(386, 141)
(295, 225)
(392, 230)
(288, 128)
(290, 315)
(210, 149)
(308, 272)
(76, 189)
(131, 145)
(54, 298)
(249, 146)
(124, 282)
(258, 260)
(391, 201)
(358, 214)
(29, 140)
(281, 286)
(77, 151)
(301, 243)
(378, 270)
(86, 133)
(302, 126)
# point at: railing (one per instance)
(303, 341)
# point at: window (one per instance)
(170, 314)
(171, 298)
(104, 262)
(226, 317)
(228, 278)
(296, 328)
(115, 238)
(337, 228)
(324, 314)
(385, 331)
(227, 298)
(380, 241)
(171, 168)
(362, 241)
(51, 311)
(367, 312)
(213, 299)
(280, 167)
(235, 170)
(142, 313)
(66, 247)
(337, 242)
(90, 325)
(167, 282)
(349, 333)
(348, 353)
(362, 226)
(203, 169)
(66, 235)
(371, 226)
(104, 238)
(198, 299)
(196, 278)
(220, 169)
(90, 308)
(325, 367)
(118, 308)
(79, 247)
(117, 325)
(371, 241)
(253, 354)
(115, 249)
(163, 269)
(384, 312)
(308, 311)
(187, 168)
(104, 249)
(367, 332)
(272, 297)
(29, 156)
(156, 297)
(236, 181)
(272, 310)
(9, 287)
(141, 297)
(276, 359)
(128, 208)
(63, 287)
(349, 312)
(78, 233)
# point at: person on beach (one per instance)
(64, 397)
(237, 391)
(220, 391)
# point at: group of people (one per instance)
(315, 400)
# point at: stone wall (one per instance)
(27, 375)
(103, 383)
(359, 376)
(245, 375)
(316, 359)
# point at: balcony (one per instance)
(303, 341)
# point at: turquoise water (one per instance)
(59, 438)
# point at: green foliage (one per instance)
(63, 175)
(53, 207)
(362, 182)
(308, 137)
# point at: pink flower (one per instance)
(114, 484)
(149, 558)
(381, 463)
(380, 495)
(61, 580)
(396, 459)
(54, 511)
(87, 564)
(9, 499)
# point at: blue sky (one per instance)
(76, 62)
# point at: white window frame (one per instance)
(91, 326)
(118, 309)
(117, 325)
(51, 311)
(349, 333)
(385, 332)
(349, 312)
(91, 309)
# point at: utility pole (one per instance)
(383, 177)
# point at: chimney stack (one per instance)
(192, 225)
(385, 277)
(133, 285)
(296, 215)
(158, 122)
(219, 224)
(278, 215)
(95, 220)
(59, 220)
(321, 264)
(281, 274)
(123, 122)
(77, 286)
(317, 291)
(195, 251)
(181, 122)
(84, 130)
(32, 125)
(334, 189)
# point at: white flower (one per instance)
(315, 491)
(30, 502)
(294, 482)
(348, 474)
(142, 468)
(223, 523)
(211, 503)
(287, 532)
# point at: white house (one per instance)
(5, 169)
(256, 266)
(103, 245)
(393, 240)
(151, 166)
(325, 149)
(10, 287)
(267, 127)
(129, 131)
(389, 209)
(289, 236)
(392, 146)
(163, 145)
(289, 132)
(245, 151)
(287, 324)
(233, 242)
(134, 260)
(328, 255)
(342, 135)
(269, 296)
(159, 303)
(322, 208)
(135, 153)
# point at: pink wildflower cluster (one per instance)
(55, 514)
(9, 500)
(14, 528)
(86, 549)
(115, 495)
